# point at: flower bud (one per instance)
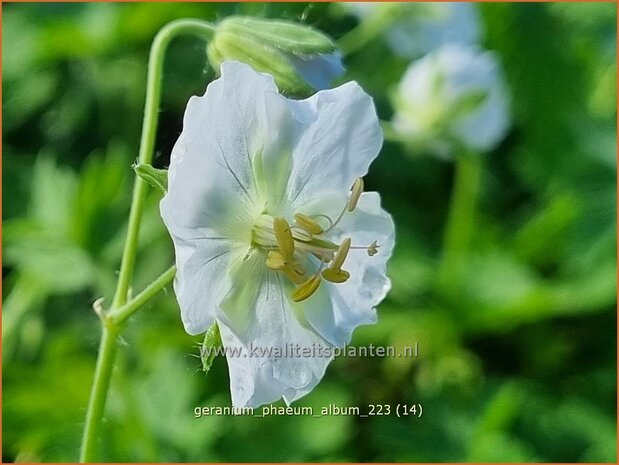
(299, 57)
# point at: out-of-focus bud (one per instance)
(452, 100)
(300, 58)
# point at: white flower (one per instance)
(419, 28)
(452, 99)
(257, 206)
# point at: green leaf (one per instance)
(153, 176)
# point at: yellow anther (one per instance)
(340, 255)
(307, 223)
(275, 260)
(283, 236)
(335, 276)
(293, 273)
(356, 191)
(373, 249)
(306, 289)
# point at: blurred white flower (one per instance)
(262, 214)
(453, 99)
(418, 28)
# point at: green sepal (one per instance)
(262, 58)
(155, 177)
(209, 348)
(298, 39)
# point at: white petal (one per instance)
(263, 377)
(201, 280)
(212, 196)
(354, 302)
(342, 136)
(211, 175)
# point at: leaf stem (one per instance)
(120, 310)
(118, 316)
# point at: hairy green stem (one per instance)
(112, 325)
(98, 394)
(119, 315)
(147, 142)
(460, 222)
(120, 310)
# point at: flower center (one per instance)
(292, 246)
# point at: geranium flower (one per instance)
(452, 100)
(274, 240)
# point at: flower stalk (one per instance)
(147, 143)
(121, 309)
(460, 222)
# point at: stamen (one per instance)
(326, 218)
(289, 247)
(306, 289)
(301, 234)
(340, 255)
(356, 191)
(307, 223)
(338, 219)
(293, 274)
(296, 265)
(373, 249)
(275, 260)
(283, 236)
(335, 276)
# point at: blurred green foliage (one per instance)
(516, 364)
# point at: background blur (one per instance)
(521, 366)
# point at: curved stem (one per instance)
(120, 311)
(147, 142)
(461, 221)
